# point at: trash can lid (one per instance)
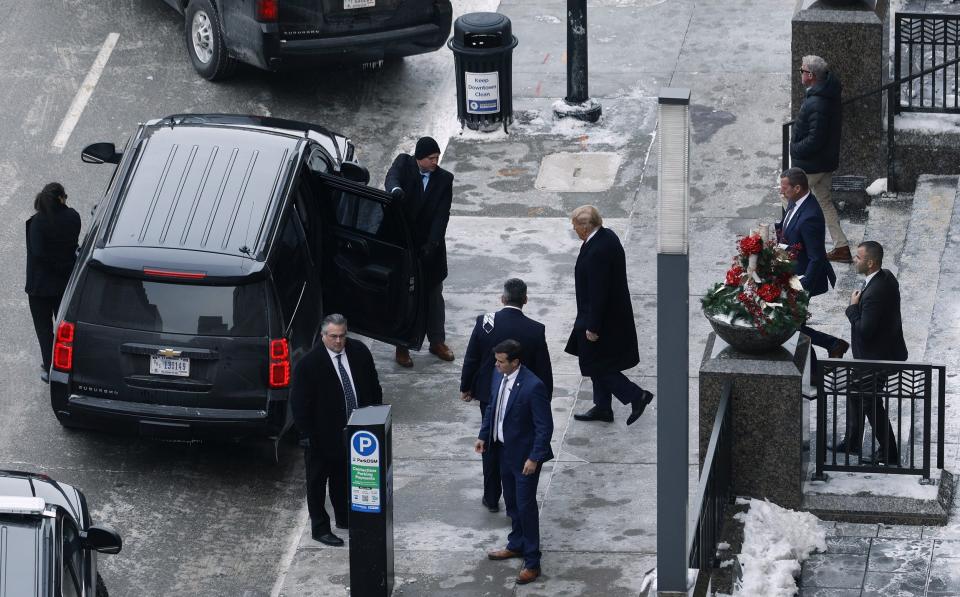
(482, 22)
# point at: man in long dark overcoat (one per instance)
(336, 377)
(425, 193)
(604, 335)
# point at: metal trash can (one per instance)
(482, 46)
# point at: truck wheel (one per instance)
(205, 44)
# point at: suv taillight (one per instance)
(63, 347)
(279, 363)
(267, 10)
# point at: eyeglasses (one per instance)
(806, 72)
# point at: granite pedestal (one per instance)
(852, 41)
(770, 416)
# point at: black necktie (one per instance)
(347, 387)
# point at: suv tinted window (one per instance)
(290, 265)
(173, 308)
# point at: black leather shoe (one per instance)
(636, 408)
(836, 351)
(490, 507)
(596, 414)
(328, 539)
(842, 448)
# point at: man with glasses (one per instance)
(815, 144)
(330, 382)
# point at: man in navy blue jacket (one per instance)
(518, 424)
(803, 226)
(478, 365)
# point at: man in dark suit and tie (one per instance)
(518, 424)
(329, 383)
(425, 192)
(478, 366)
(604, 334)
(803, 226)
(876, 331)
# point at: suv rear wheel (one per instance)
(205, 44)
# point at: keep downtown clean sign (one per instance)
(364, 472)
(483, 92)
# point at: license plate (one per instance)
(351, 4)
(179, 366)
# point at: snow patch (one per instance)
(927, 123)
(877, 187)
(775, 542)
(867, 484)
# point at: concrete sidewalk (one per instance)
(598, 498)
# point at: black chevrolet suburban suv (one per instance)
(48, 544)
(218, 247)
(276, 34)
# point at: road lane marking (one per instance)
(293, 542)
(83, 94)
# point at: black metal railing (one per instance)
(896, 399)
(892, 89)
(714, 489)
(922, 40)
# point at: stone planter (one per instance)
(749, 340)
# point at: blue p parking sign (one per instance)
(364, 472)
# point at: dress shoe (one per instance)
(328, 539)
(596, 414)
(842, 448)
(640, 403)
(503, 554)
(840, 255)
(528, 575)
(838, 349)
(442, 351)
(495, 507)
(403, 358)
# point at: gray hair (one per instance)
(333, 319)
(514, 292)
(796, 177)
(591, 212)
(816, 65)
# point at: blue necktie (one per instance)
(791, 205)
(347, 387)
(426, 179)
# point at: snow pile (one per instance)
(877, 187)
(927, 123)
(775, 541)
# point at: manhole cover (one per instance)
(578, 172)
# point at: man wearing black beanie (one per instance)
(425, 192)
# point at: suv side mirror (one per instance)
(98, 153)
(102, 538)
(355, 172)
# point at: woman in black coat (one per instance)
(52, 234)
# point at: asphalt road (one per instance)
(197, 518)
